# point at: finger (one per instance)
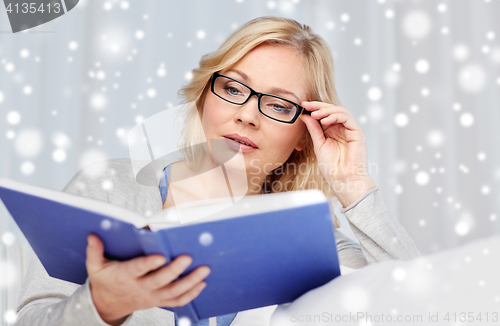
(185, 298)
(184, 284)
(323, 112)
(320, 106)
(167, 274)
(314, 128)
(140, 266)
(309, 107)
(95, 254)
(343, 118)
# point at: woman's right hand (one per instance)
(120, 288)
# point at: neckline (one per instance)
(164, 181)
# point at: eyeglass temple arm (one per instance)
(304, 111)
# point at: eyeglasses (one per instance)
(272, 106)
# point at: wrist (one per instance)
(105, 309)
(350, 190)
(113, 321)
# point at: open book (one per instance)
(262, 250)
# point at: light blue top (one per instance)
(164, 183)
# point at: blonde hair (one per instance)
(320, 86)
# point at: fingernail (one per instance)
(159, 261)
(185, 262)
(90, 242)
(204, 272)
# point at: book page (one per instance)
(248, 205)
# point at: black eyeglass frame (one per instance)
(300, 109)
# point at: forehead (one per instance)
(268, 67)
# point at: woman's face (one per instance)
(264, 69)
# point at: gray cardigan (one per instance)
(48, 301)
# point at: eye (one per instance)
(232, 90)
(279, 108)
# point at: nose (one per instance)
(248, 113)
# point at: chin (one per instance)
(238, 163)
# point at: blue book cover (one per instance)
(271, 255)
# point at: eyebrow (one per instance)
(272, 90)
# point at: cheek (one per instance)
(212, 116)
(287, 139)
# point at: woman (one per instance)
(294, 67)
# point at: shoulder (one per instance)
(114, 181)
(98, 173)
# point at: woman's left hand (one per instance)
(340, 148)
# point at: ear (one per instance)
(301, 144)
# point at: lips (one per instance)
(242, 139)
